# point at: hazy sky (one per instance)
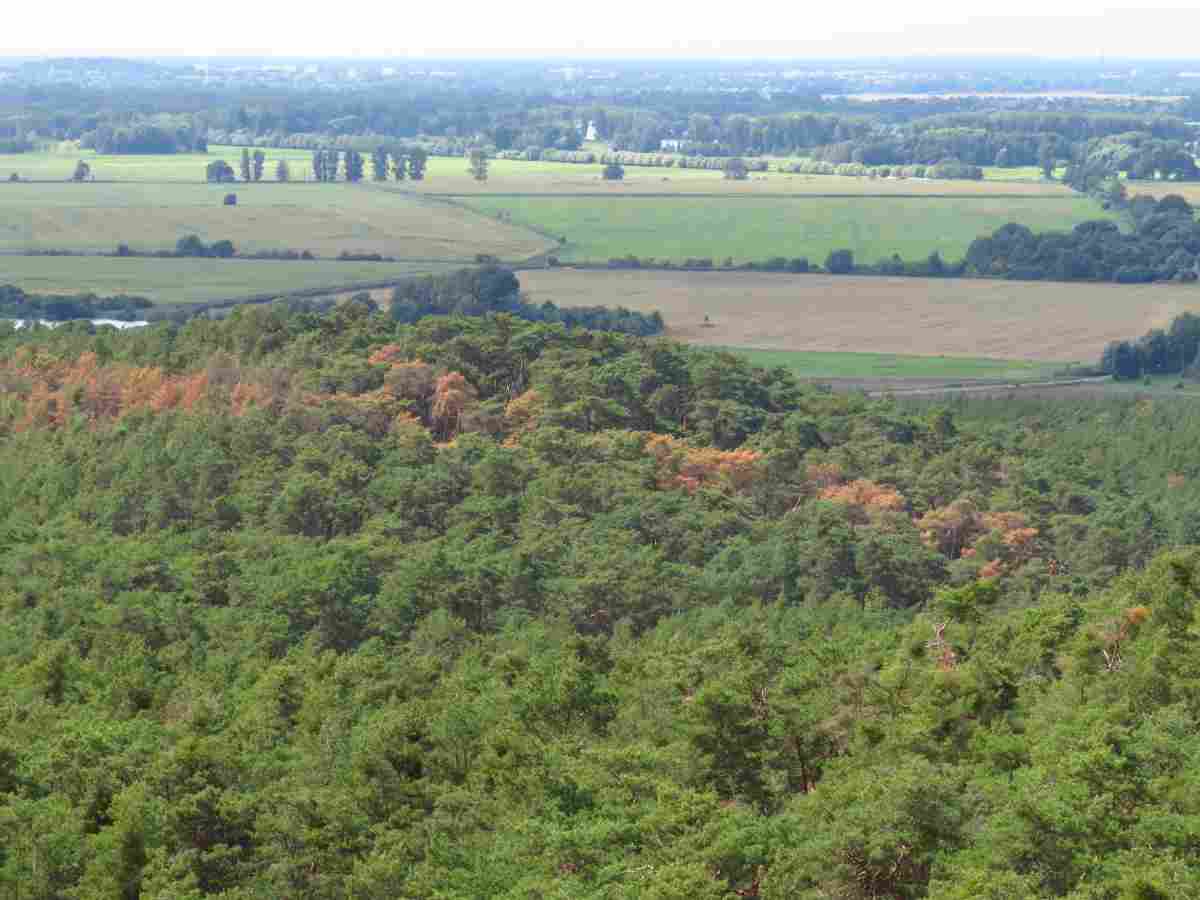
(795, 28)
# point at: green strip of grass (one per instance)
(815, 364)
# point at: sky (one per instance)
(537, 28)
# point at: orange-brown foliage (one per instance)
(993, 569)
(1136, 615)
(1021, 543)
(694, 467)
(386, 355)
(865, 495)
(451, 396)
(522, 412)
(950, 528)
(245, 396)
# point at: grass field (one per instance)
(183, 167)
(184, 281)
(323, 218)
(815, 364)
(1012, 320)
(449, 176)
(756, 228)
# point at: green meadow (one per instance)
(186, 281)
(816, 364)
(754, 228)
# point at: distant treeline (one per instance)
(192, 245)
(157, 134)
(1134, 156)
(837, 262)
(492, 289)
(17, 304)
(945, 169)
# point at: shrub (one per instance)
(840, 262)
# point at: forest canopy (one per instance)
(329, 605)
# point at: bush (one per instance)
(193, 246)
(219, 172)
(798, 264)
(840, 262)
(625, 262)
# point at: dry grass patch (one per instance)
(323, 218)
(955, 317)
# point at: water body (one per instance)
(20, 323)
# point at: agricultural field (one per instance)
(448, 175)
(750, 228)
(999, 320)
(323, 218)
(179, 282)
(58, 165)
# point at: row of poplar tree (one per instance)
(385, 163)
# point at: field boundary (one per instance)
(958, 387)
(731, 195)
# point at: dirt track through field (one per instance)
(954, 317)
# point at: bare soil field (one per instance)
(964, 317)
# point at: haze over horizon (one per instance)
(538, 28)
